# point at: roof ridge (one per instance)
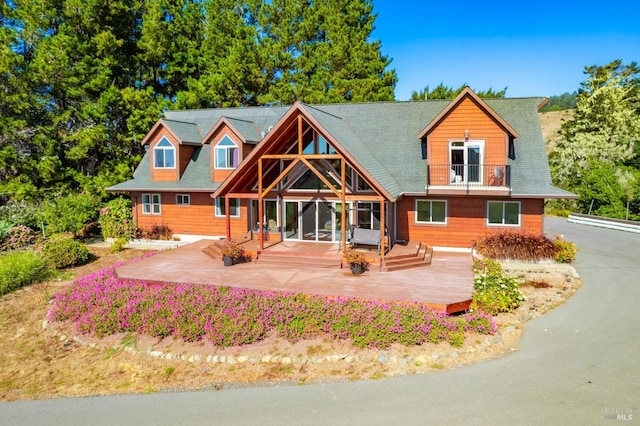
(179, 121)
(315, 107)
(238, 119)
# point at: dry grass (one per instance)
(38, 364)
(551, 123)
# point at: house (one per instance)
(443, 172)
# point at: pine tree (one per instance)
(320, 52)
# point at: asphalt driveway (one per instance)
(578, 364)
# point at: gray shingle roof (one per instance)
(196, 177)
(382, 137)
(246, 128)
(186, 132)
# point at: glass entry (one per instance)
(291, 220)
(313, 220)
(466, 161)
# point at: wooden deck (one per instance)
(446, 285)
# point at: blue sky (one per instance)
(535, 48)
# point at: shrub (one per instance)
(65, 252)
(21, 268)
(22, 213)
(101, 304)
(494, 291)
(4, 228)
(116, 220)
(565, 251)
(18, 237)
(516, 246)
(156, 232)
(525, 247)
(118, 245)
(70, 213)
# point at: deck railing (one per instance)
(469, 175)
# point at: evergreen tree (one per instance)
(444, 92)
(319, 52)
(82, 81)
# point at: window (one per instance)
(150, 203)
(234, 207)
(368, 215)
(226, 153)
(164, 155)
(183, 199)
(503, 213)
(431, 211)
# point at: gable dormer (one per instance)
(466, 146)
(230, 141)
(170, 145)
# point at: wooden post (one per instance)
(260, 226)
(227, 216)
(382, 228)
(343, 178)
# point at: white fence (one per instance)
(605, 222)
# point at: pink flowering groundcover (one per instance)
(100, 304)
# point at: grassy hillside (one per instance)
(551, 122)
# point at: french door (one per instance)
(316, 220)
(466, 159)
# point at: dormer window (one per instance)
(164, 155)
(226, 153)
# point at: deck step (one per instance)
(418, 259)
(298, 260)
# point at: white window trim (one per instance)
(184, 196)
(431, 222)
(518, 225)
(173, 148)
(151, 204)
(225, 148)
(217, 208)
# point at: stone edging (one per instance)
(382, 357)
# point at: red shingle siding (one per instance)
(468, 116)
(164, 174)
(221, 175)
(195, 219)
(466, 221)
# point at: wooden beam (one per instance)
(356, 197)
(300, 147)
(280, 177)
(243, 195)
(320, 176)
(308, 156)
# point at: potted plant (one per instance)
(231, 252)
(356, 260)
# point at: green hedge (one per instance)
(21, 268)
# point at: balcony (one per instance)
(475, 179)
